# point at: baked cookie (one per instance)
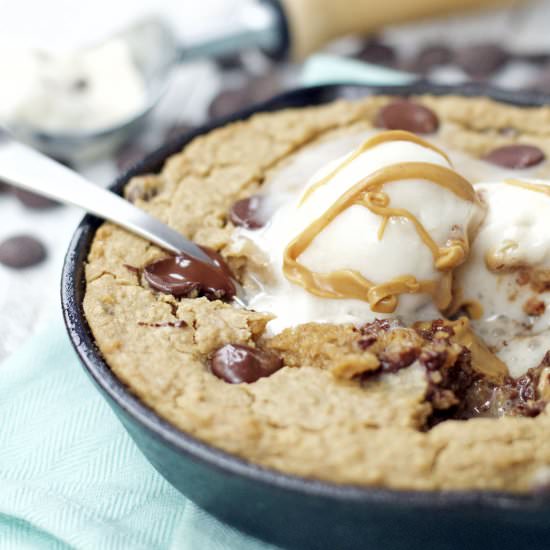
(394, 260)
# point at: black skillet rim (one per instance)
(72, 285)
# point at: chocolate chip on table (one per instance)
(403, 114)
(32, 200)
(21, 251)
(429, 57)
(183, 276)
(377, 52)
(177, 130)
(246, 213)
(515, 156)
(481, 60)
(542, 82)
(237, 363)
(128, 155)
(256, 89)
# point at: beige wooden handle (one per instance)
(314, 22)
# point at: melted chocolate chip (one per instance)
(184, 276)
(515, 156)
(21, 251)
(403, 114)
(481, 60)
(237, 363)
(246, 213)
(32, 200)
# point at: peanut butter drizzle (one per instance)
(384, 137)
(348, 283)
(537, 187)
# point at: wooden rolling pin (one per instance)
(313, 23)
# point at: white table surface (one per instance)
(29, 298)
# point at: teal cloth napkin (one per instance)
(70, 477)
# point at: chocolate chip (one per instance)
(255, 90)
(515, 156)
(21, 251)
(237, 363)
(246, 213)
(429, 57)
(128, 156)
(32, 200)
(377, 52)
(177, 130)
(229, 62)
(481, 60)
(542, 82)
(403, 114)
(185, 276)
(80, 84)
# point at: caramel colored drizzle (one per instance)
(348, 283)
(537, 187)
(384, 137)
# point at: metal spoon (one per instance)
(24, 167)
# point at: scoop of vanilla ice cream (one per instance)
(351, 240)
(510, 248)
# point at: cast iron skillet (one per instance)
(286, 510)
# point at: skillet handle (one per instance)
(312, 23)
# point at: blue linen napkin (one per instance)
(70, 477)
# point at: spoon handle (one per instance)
(26, 168)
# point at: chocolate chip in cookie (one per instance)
(515, 156)
(403, 114)
(184, 276)
(237, 363)
(247, 213)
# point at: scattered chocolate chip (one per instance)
(128, 155)
(246, 213)
(21, 251)
(256, 89)
(80, 84)
(184, 276)
(227, 102)
(237, 363)
(429, 57)
(515, 156)
(32, 200)
(229, 62)
(403, 114)
(542, 82)
(481, 60)
(173, 324)
(177, 130)
(377, 52)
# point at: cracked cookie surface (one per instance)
(319, 416)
